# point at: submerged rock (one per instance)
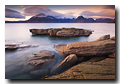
(20, 46)
(44, 54)
(39, 73)
(59, 45)
(43, 57)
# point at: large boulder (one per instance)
(66, 63)
(43, 57)
(93, 48)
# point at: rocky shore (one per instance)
(83, 60)
(104, 69)
(62, 32)
(96, 60)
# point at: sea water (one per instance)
(16, 61)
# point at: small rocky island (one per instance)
(62, 32)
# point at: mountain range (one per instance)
(42, 18)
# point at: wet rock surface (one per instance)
(43, 57)
(11, 47)
(19, 46)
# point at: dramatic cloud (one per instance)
(102, 13)
(35, 9)
(60, 11)
(9, 13)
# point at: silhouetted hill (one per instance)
(104, 20)
(42, 18)
(81, 19)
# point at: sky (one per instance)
(25, 12)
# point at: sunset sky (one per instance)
(24, 12)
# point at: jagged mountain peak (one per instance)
(81, 17)
(40, 15)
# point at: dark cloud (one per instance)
(35, 9)
(9, 13)
(109, 7)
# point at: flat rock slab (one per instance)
(11, 46)
(104, 69)
(62, 32)
(93, 48)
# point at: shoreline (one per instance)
(43, 77)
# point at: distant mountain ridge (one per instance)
(42, 18)
(81, 19)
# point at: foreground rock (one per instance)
(66, 63)
(113, 38)
(104, 69)
(62, 32)
(59, 45)
(43, 57)
(112, 55)
(105, 37)
(94, 48)
(11, 47)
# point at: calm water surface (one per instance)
(15, 61)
